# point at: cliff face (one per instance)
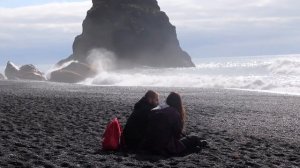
(1, 77)
(137, 31)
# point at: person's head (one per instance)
(152, 98)
(174, 100)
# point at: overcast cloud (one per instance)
(44, 33)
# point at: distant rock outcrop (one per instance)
(11, 71)
(1, 77)
(137, 31)
(27, 72)
(73, 73)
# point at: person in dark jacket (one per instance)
(164, 133)
(135, 127)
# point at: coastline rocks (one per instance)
(73, 73)
(66, 77)
(136, 31)
(27, 72)
(1, 77)
(31, 72)
(11, 71)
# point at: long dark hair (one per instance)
(174, 100)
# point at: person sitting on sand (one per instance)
(164, 133)
(136, 124)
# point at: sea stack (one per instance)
(136, 31)
(73, 73)
(1, 77)
(26, 72)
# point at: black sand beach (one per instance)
(59, 125)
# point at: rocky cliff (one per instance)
(137, 31)
(1, 77)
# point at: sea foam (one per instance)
(280, 74)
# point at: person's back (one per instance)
(135, 127)
(165, 127)
(164, 131)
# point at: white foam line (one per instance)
(265, 91)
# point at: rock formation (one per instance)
(1, 77)
(11, 71)
(136, 31)
(27, 72)
(73, 73)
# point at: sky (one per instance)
(42, 31)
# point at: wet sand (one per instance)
(60, 125)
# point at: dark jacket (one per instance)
(135, 127)
(164, 132)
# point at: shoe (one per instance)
(203, 144)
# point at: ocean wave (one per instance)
(279, 74)
(285, 66)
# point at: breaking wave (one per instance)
(280, 74)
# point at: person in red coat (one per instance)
(164, 134)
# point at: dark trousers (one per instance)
(191, 143)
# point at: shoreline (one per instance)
(158, 87)
(266, 91)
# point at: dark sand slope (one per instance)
(58, 125)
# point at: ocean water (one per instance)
(278, 74)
